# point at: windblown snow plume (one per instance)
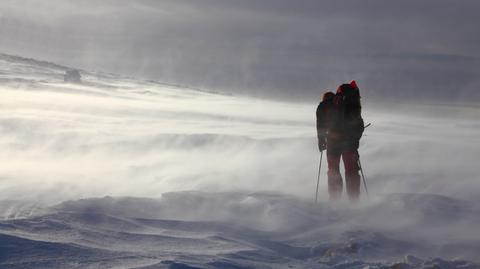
(195, 179)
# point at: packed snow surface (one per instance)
(238, 230)
(116, 172)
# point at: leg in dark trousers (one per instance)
(335, 181)
(352, 177)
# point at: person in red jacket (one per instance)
(339, 129)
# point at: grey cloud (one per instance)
(281, 49)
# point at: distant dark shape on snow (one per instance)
(72, 76)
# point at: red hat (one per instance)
(354, 84)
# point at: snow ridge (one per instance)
(222, 230)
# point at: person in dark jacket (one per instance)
(339, 129)
(323, 118)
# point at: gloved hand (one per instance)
(322, 146)
(322, 143)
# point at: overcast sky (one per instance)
(427, 49)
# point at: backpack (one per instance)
(348, 98)
(348, 110)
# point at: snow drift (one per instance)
(195, 179)
(238, 230)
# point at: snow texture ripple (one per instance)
(190, 178)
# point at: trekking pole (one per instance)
(318, 178)
(360, 165)
(363, 176)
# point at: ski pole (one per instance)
(318, 178)
(360, 165)
(363, 176)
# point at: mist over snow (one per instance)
(141, 138)
(142, 174)
(118, 136)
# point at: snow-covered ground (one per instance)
(117, 172)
